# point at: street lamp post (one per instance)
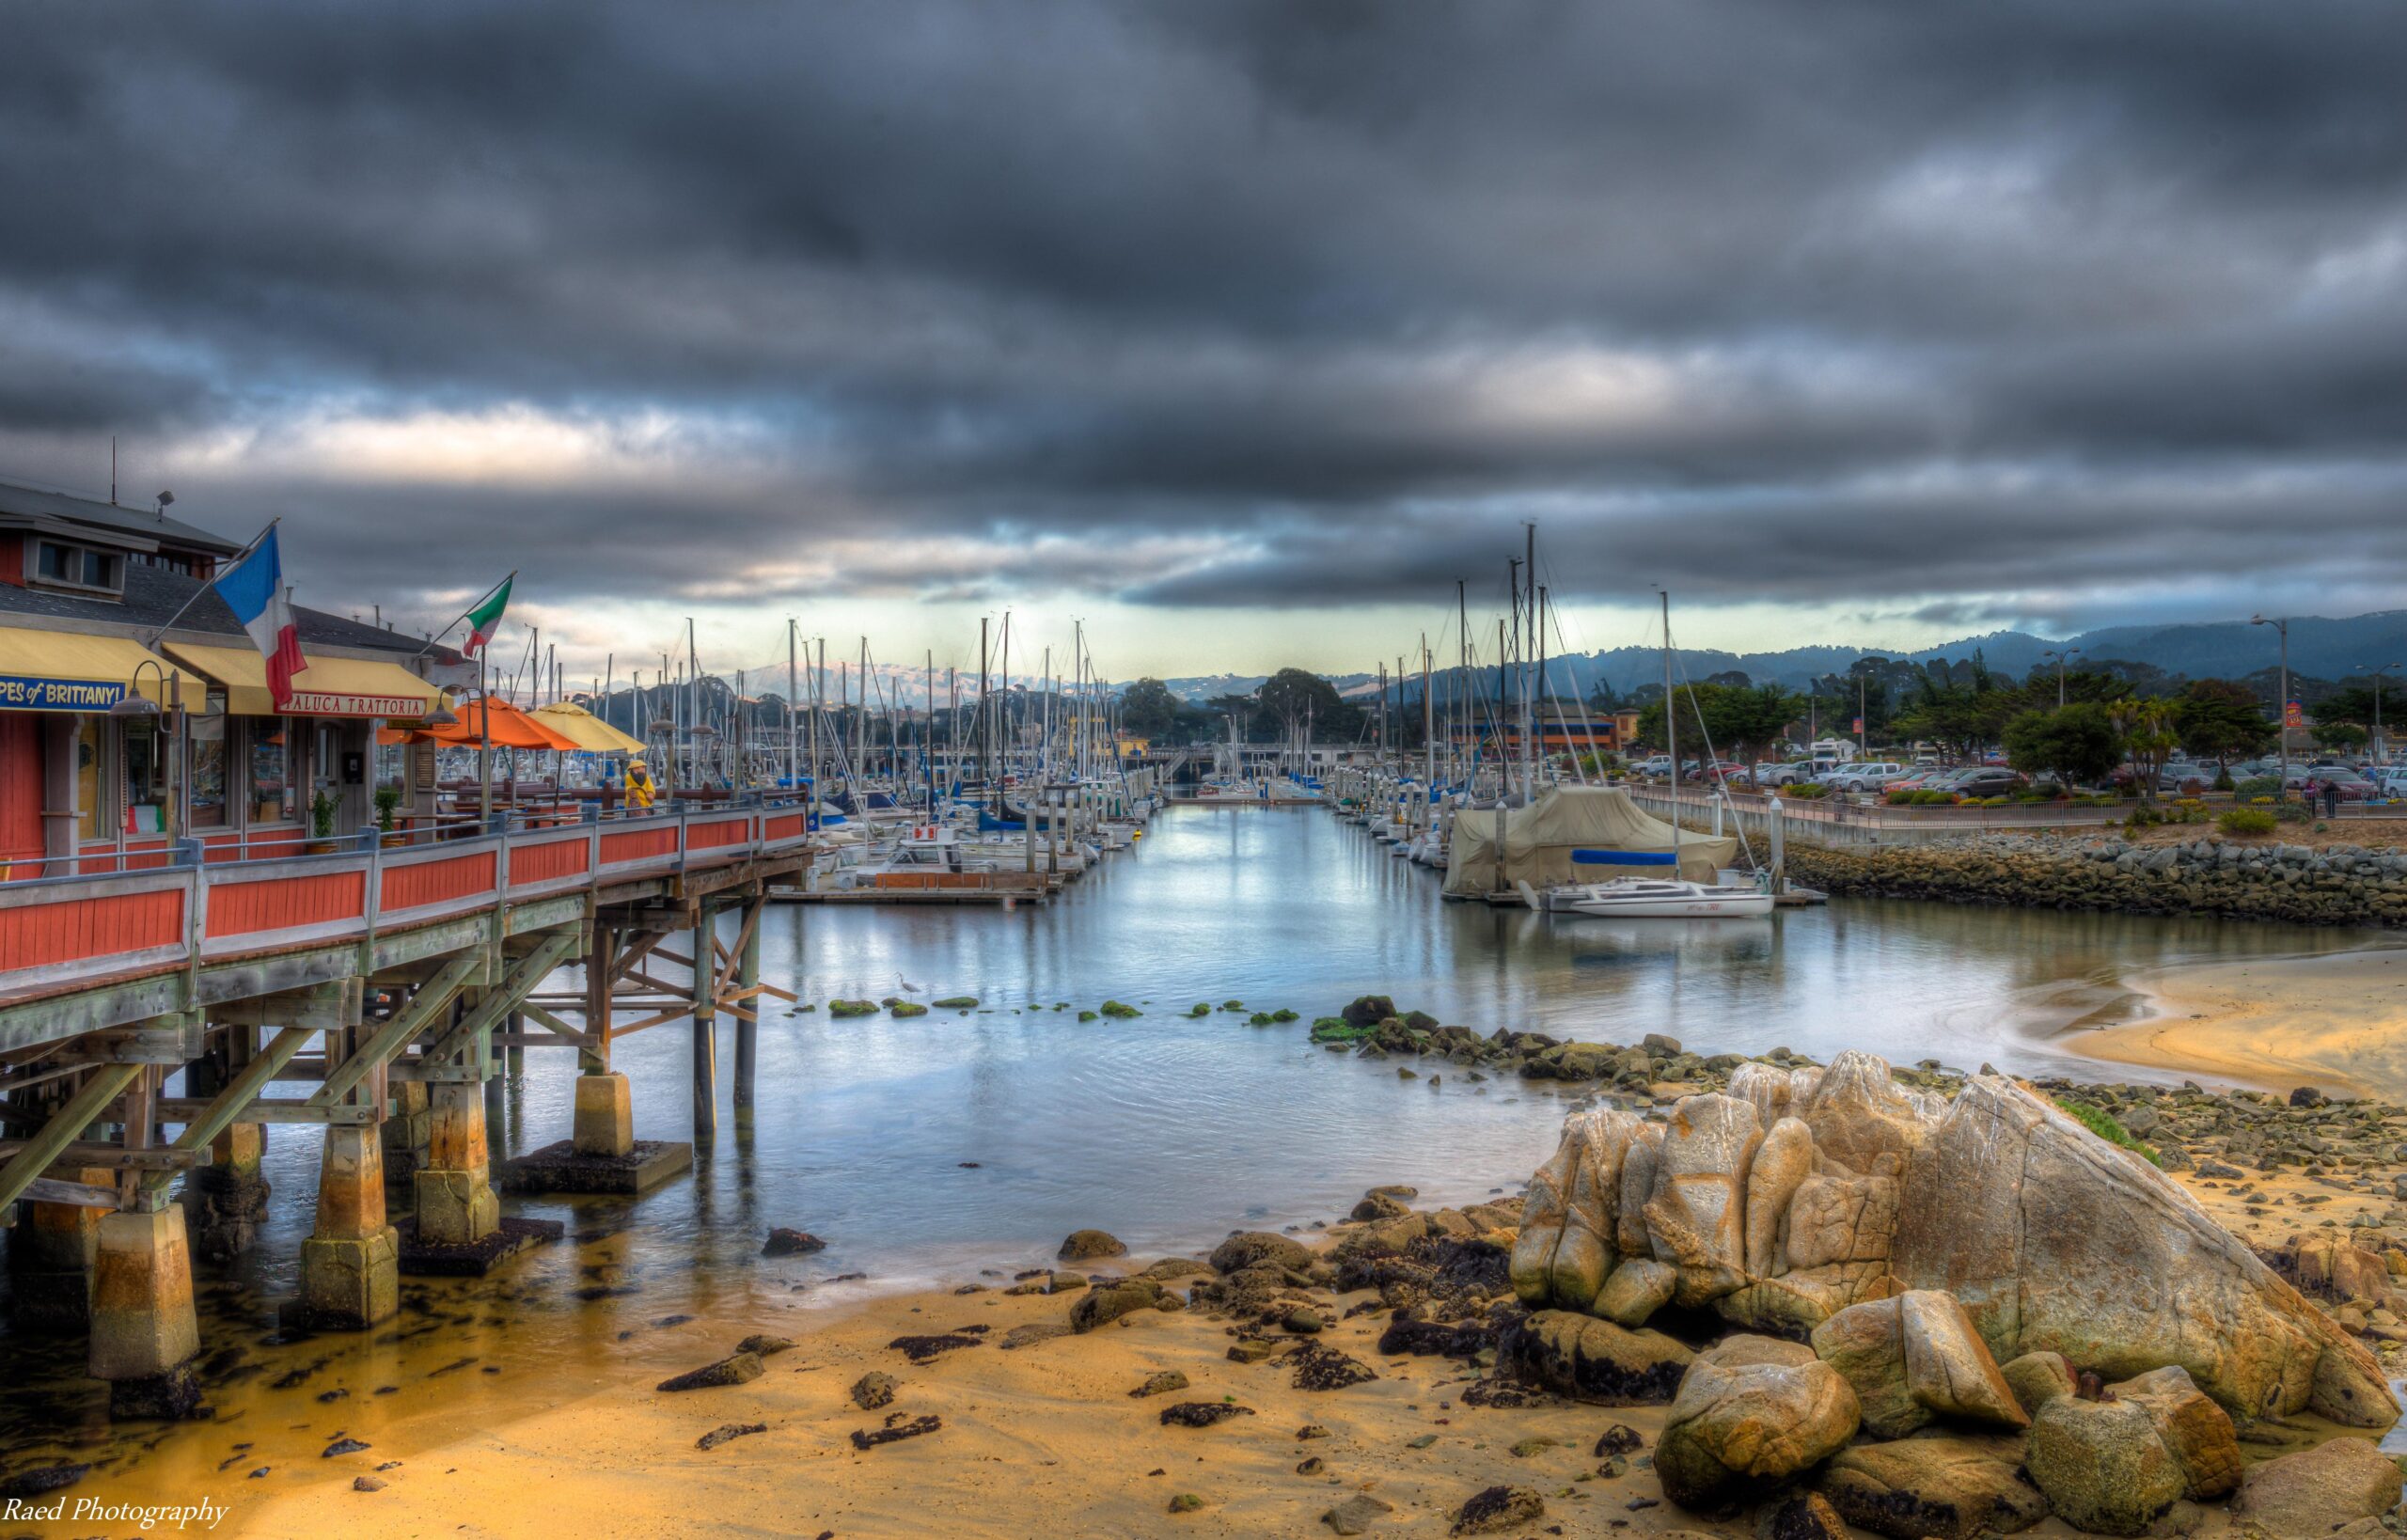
(2377, 670)
(2281, 625)
(2060, 657)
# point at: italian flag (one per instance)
(485, 618)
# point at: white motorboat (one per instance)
(1662, 898)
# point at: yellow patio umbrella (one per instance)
(585, 729)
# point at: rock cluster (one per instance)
(2338, 884)
(1960, 1266)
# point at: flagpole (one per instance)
(461, 616)
(484, 741)
(236, 560)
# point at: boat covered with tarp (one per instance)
(1575, 834)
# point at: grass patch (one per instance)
(2102, 1123)
(1118, 1012)
(851, 1007)
(957, 1002)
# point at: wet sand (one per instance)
(2337, 1022)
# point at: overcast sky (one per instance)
(1240, 330)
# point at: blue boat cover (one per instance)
(1623, 857)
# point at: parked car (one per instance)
(1929, 779)
(1990, 780)
(2391, 781)
(1872, 776)
(1654, 765)
(2310, 784)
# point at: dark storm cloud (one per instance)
(1798, 304)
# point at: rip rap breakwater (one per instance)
(2338, 884)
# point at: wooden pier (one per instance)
(937, 888)
(373, 985)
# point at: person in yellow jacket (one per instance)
(639, 788)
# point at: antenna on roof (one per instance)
(112, 470)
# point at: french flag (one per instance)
(253, 589)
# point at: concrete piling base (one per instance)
(455, 1202)
(560, 1168)
(144, 1332)
(406, 1130)
(50, 1261)
(349, 1267)
(225, 1200)
(422, 1258)
(605, 1123)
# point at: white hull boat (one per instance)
(1660, 898)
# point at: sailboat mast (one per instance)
(1671, 731)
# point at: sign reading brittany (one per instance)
(334, 703)
(23, 692)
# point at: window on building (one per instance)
(271, 775)
(144, 748)
(64, 565)
(209, 772)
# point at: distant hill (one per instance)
(2328, 649)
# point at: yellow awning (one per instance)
(327, 688)
(585, 729)
(67, 670)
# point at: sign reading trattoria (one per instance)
(23, 692)
(327, 703)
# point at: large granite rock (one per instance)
(2318, 1490)
(1567, 1243)
(1751, 1413)
(1783, 1162)
(2050, 1239)
(1595, 1361)
(1916, 1358)
(2053, 1238)
(1936, 1488)
(2198, 1432)
(1857, 1113)
(1697, 1219)
(1776, 1093)
(2102, 1466)
(1637, 1289)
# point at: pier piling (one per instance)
(705, 1029)
(350, 1263)
(456, 1205)
(144, 1332)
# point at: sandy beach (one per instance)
(2333, 1022)
(1041, 1440)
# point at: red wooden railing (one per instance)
(60, 934)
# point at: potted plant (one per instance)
(389, 798)
(322, 822)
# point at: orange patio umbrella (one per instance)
(511, 729)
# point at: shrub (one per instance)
(2255, 787)
(1901, 797)
(1809, 790)
(2245, 821)
(1934, 799)
(2102, 1123)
